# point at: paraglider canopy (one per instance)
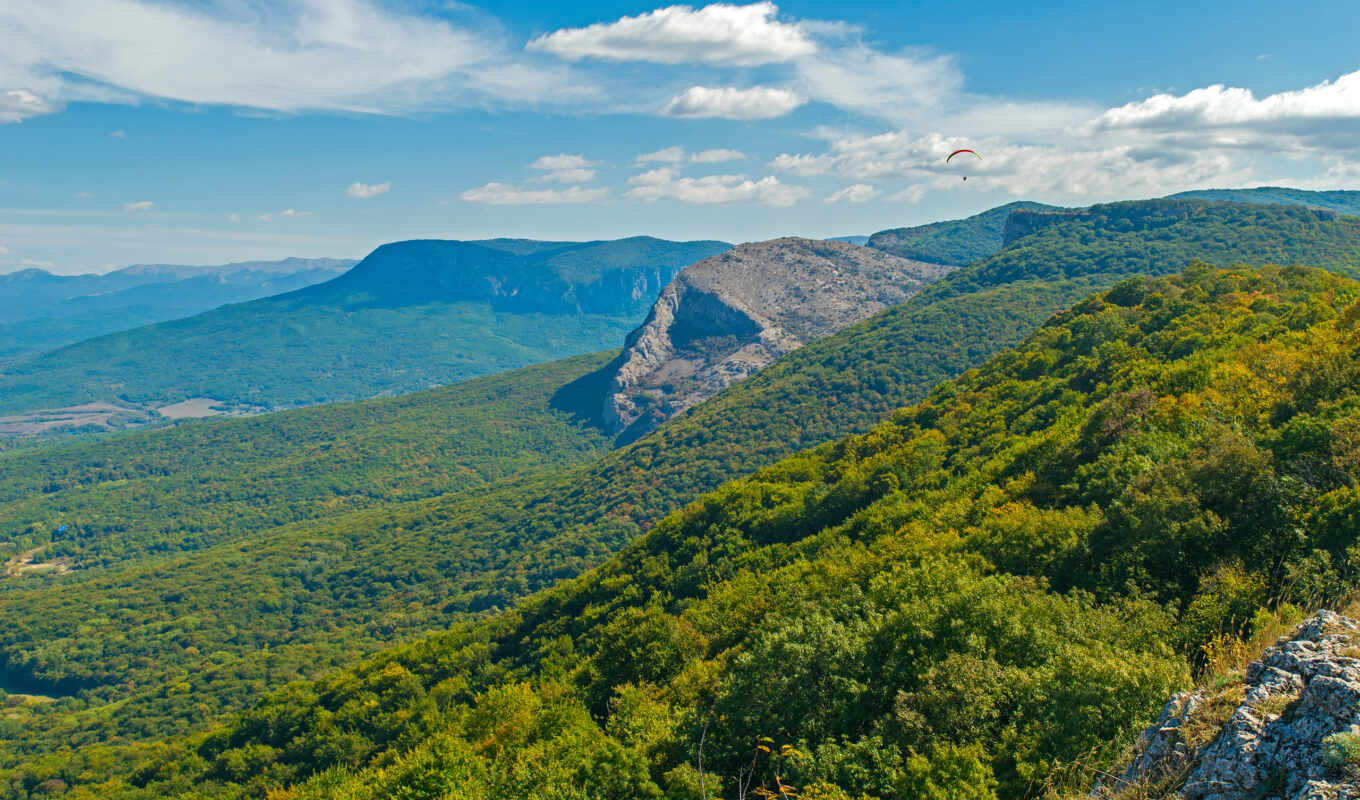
(961, 150)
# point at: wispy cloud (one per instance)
(678, 155)
(138, 206)
(294, 55)
(759, 102)
(501, 194)
(717, 156)
(19, 104)
(858, 193)
(364, 191)
(674, 154)
(665, 183)
(565, 168)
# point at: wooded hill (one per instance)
(1007, 577)
(326, 591)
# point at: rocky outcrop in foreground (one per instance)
(727, 316)
(1289, 730)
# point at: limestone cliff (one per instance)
(727, 316)
(1289, 730)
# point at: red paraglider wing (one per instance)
(956, 152)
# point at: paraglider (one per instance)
(962, 150)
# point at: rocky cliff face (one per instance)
(1289, 730)
(615, 277)
(729, 315)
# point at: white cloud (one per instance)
(858, 193)
(4, 251)
(293, 212)
(902, 86)
(758, 102)
(664, 183)
(84, 195)
(717, 156)
(1221, 106)
(119, 134)
(669, 155)
(363, 191)
(565, 168)
(500, 194)
(265, 218)
(140, 205)
(17, 105)
(677, 155)
(721, 33)
(291, 55)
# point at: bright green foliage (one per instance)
(325, 591)
(160, 623)
(846, 602)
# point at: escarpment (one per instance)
(727, 316)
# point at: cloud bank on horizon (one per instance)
(875, 120)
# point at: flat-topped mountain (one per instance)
(515, 276)
(732, 314)
(409, 316)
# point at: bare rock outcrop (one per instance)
(1290, 730)
(729, 315)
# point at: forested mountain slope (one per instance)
(410, 316)
(957, 241)
(334, 588)
(1001, 580)
(1343, 201)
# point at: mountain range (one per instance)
(40, 311)
(962, 546)
(409, 316)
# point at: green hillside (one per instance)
(412, 315)
(335, 588)
(957, 241)
(1004, 579)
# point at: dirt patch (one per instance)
(26, 564)
(193, 408)
(97, 415)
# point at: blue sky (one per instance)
(207, 131)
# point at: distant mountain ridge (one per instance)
(411, 315)
(621, 276)
(1342, 201)
(40, 311)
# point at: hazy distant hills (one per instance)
(409, 316)
(41, 311)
